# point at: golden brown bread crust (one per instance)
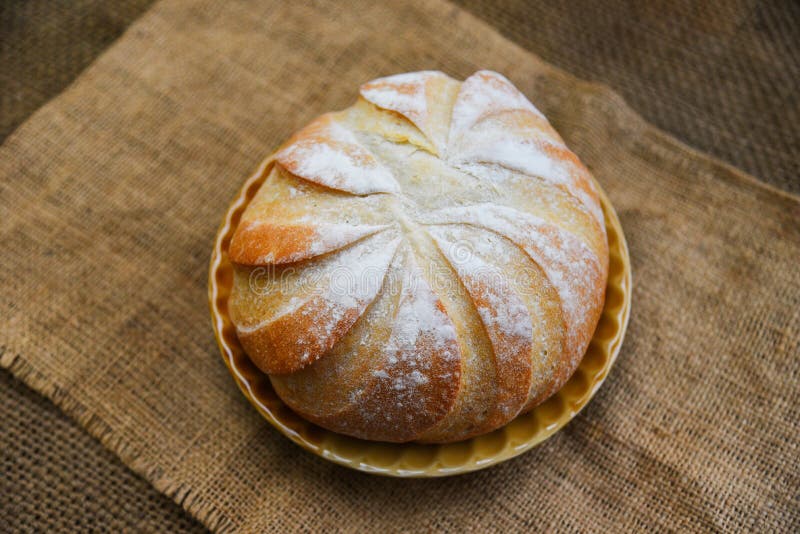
(422, 266)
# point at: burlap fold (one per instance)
(111, 194)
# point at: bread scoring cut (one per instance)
(424, 265)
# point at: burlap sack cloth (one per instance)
(112, 193)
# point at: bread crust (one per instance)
(422, 266)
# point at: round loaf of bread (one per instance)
(422, 266)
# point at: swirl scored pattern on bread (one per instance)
(422, 266)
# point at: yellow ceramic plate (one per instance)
(415, 460)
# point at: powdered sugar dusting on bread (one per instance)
(329, 154)
(335, 236)
(527, 157)
(317, 239)
(502, 311)
(402, 364)
(408, 94)
(421, 313)
(477, 139)
(569, 264)
(420, 329)
(416, 373)
(401, 93)
(340, 290)
(482, 94)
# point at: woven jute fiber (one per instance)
(44, 44)
(111, 195)
(57, 478)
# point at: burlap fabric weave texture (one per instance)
(113, 192)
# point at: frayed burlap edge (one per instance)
(183, 495)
